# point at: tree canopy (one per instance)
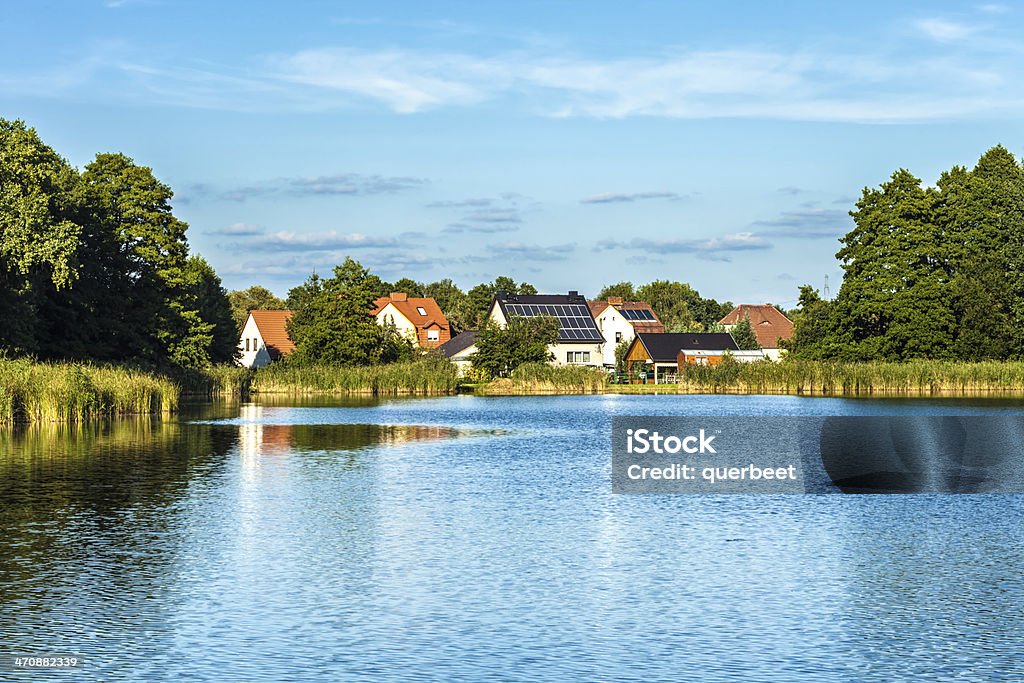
(500, 350)
(929, 272)
(94, 265)
(331, 321)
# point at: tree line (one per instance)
(929, 272)
(95, 266)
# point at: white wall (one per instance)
(595, 350)
(405, 326)
(611, 322)
(257, 356)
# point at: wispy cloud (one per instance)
(620, 197)
(880, 83)
(287, 240)
(710, 248)
(791, 190)
(342, 184)
(239, 230)
(944, 30)
(532, 252)
(474, 202)
(484, 214)
(805, 223)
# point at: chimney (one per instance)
(573, 292)
(399, 296)
(614, 300)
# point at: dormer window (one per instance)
(422, 311)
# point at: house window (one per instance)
(618, 337)
(433, 335)
(246, 343)
(576, 357)
(422, 311)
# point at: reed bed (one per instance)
(74, 392)
(912, 378)
(425, 377)
(539, 378)
(215, 381)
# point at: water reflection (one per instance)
(478, 539)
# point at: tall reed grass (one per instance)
(215, 381)
(427, 376)
(540, 378)
(913, 378)
(72, 392)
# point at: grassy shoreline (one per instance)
(77, 392)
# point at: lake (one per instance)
(473, 539)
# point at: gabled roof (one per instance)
(650, 323)
(665, 348)
(576, 324)
(409, 307)
(273, 329)
(769, 323)
(458, 343)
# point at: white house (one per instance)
(419, 319)
(620, 321)
(264, 338)
(579, 340)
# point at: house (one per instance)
(621, 320)
(661, 353)
(459, 349)
(579, 341)
(419, 320)
(769, 324)
(264, 338)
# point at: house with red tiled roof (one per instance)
(769, 324)
(264, 338)
(620, 320)
(418, 318)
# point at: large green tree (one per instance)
(331, 321)
(895, 301)
(41, 215)
(500, 350)
(131, 204)
(207, 296)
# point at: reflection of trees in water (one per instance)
(89, 514)
(277, 439)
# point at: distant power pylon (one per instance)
(827, 292)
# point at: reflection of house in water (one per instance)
(256, 438)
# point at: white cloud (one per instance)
(811, 83)
(944, 30)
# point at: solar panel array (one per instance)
(637, 314)
(575, 320)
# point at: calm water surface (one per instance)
(477, 539)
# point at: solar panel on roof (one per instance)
(575, 321)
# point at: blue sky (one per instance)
(569, 144)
